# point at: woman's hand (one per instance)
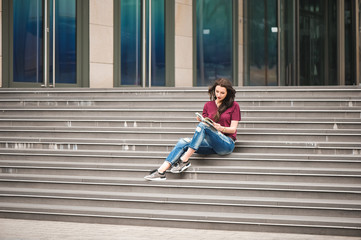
(218, 126)
(229, 130)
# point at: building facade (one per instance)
(179, 43)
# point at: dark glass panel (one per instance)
(131, 60)
(288, 43)
(350, 57)
(331, 42)
(256, 43)
(158, 43)
(261, 43)
(318, 46)
(131, 43)
(65, 41)
(214, 40)
(271, 41)
(28, 41)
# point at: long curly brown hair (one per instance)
(227, 101)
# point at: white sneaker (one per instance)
(181, 166)
(155, 176)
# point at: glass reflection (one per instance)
(288, 43)
(158, 43)
(318, 43)
(130, 12)
(65, 41)
(214, 40)
(131, 42)
(262, 50)
(350, 50)
(28, 41)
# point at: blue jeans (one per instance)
(205, 141)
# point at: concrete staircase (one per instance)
(81, 155)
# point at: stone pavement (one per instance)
(11, 229)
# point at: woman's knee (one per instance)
(183, 142)
(202, 125)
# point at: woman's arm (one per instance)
(231, 129)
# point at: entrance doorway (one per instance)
(45, 44)
(261, 41)
(300, 43)
(141, 56)
(317, 42)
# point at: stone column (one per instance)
(101, 46)
(183, 43)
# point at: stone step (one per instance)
(234, 221)
(221, 188)
(252, 92)
(236, 155)
(166, 146)
(24, 121)
(305, 175)
(351, 135)
(144, 166)
(11, 166)
(156, 158)
(124, 133)
(172, 102)
(206, 203)
(180, 113)
(81, 155)
(299, 124)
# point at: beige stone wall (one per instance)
(183, 43)
(1, 51)
(101, 45)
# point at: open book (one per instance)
(206, 120)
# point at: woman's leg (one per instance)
(181, 151)
(164, 167)
(173, 157)
(185, 157)
(198, 142)
(178, 151)
(209, 141)
(195, 143)
(205, 141)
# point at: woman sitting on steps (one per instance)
(225, 113)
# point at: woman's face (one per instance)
(221, 93)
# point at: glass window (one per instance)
(28, 50)
(131, 59)
(214, 40)
(131, 42)
(318, 42)
(331, 42)
(350, 57)
(65, 41)
(261, 40)
(288, 43)
(28, 41)
(158, 43)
